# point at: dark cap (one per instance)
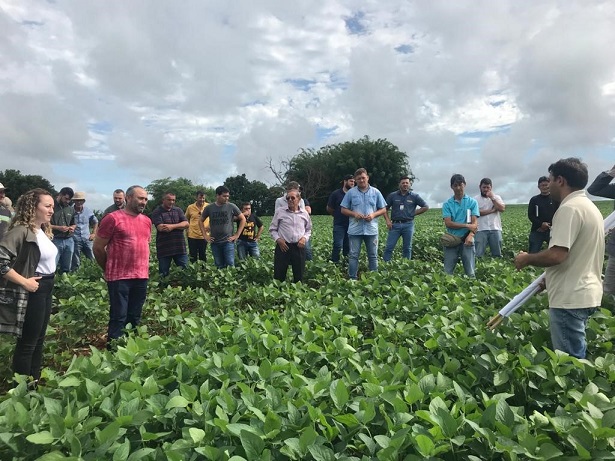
(543, 179)
(67, 191)
(348, 176)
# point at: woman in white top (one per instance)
(27, 268)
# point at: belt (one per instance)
(401, 221)
(44, 276)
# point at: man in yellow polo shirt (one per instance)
(574, 258)
(196, 243)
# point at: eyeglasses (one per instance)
(291, 198)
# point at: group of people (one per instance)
(37, 239)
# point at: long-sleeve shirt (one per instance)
(541, 209)
(602, 187)
(290, 225)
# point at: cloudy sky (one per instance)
(101, 95)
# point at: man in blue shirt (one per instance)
(340, 221)
(84, 218)
(363, 204)
(403, 204)
(460, 214)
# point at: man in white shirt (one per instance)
(574, 258)
(489, 232)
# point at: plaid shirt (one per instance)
(174, 242)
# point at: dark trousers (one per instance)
(126, 298)
(536, 240)
(196, 249)
(294, 257)
(29, 348)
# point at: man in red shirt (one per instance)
(121, 249)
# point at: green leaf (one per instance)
(122, 452)
(140, 454)
(236, 428)
(252, 444)
(504, 414)
(196, 434)
(52, 406)
(424, 444)
(264, 369)
(339, 393)
(414, 394)
(321, 453)
(307, 438)
(40, 438)
(177, 401)
(549, 451)
(382, 440)
(501, 377)
(109, 433)
(70, 381)
(53, 456)
(272, 424)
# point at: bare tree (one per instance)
(280, 171)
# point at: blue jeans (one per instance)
(609, 276)
(245, 249)
(493, 238)
(64, 258)
(224, 254)
(308, 250)
(371, 244)
(568, 330)
(536, 240)
(404, 230)
(453, 254)
(340, 242)
(164, 263)
(82, 245)
(126, 298)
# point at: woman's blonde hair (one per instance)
(25, 211)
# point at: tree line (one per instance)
(319, 171)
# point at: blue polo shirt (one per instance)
(363, 202)
(403, 206)
(458, 212)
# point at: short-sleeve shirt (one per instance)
(578, 226)
(193, 214)
(492, 221)
(458, 212)
(363, 202)
(403, 206)
(249, 231)
(335, 201)
(62, 216)
(128, 247)
(221, 220)
(174, 242)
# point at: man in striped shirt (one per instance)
(291, 228)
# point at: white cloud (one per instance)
(208, 89)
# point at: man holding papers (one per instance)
(540, 212)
